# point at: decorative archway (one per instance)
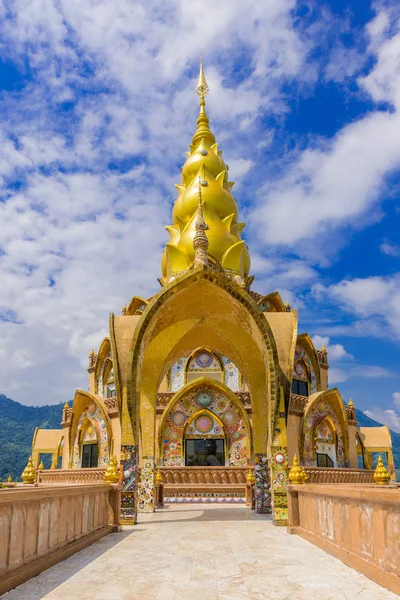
(86, 408)
(228, 419)
(320, 406)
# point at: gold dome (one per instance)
(205, 167)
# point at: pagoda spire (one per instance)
(200, 242)
(204, 197)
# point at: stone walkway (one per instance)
(203, 553)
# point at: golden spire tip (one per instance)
(202, 87)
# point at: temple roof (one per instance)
(375, 437)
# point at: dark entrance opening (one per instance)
(205, 453)
(90, 455)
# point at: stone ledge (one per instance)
(384, 578)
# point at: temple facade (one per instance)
(208, 378)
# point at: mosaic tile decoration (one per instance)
(319, 411)
(231, 374)
(279, 481)
(217, 404)
(190, 500)
(178, 375)
(146, 486)
(262, 486)
(92, 412)
(129, 472)
(300, 354)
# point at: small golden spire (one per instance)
(112, 474)
(202, 86)
(200, 241)
(9, 479)
(296, 474)
(124, 309)
(66, 406)
(250, 476)
(323, 349)
(381, 474)
(29, 473)
(351, 403)
(91, 352)
(158, 478)
(41, 466)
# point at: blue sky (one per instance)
(97, 108)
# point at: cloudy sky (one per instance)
(97, 108)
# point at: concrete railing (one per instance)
(70, 476)
(358, 524)
(40, 526)
(327, 475)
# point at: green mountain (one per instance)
(17, 424)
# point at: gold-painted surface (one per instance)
(296, 475)
(381, 474)
(29, 473)
(201, 308)
(112, 472)
(205, 164)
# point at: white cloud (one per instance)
(372, 297)
(396, 399)
(389, 249)
(386, 417)
(336, 352)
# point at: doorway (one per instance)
(209, 452)
(90, 455)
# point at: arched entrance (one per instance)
(202, 308)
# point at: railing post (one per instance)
(293, 509)
(114, 506)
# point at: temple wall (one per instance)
(358, 524)
(41, 526)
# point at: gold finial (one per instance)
(124, 309)
(29, 473)
(200, 241)
(351, 403)
(158, 478)
(9, 479)
(66, 406)
(202, 87)
(250, 476)
(323, 349)
(112, 474)
(381, 474)
(296, 473)
(41, 465)
(91, 352)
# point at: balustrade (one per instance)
(328, 475)
(69, 476)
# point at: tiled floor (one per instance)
(201, 552)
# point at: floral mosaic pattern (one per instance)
(262, 486)
(320, 410)
(146, 487)
(279, 479)
(92, 412)
(216, 403)
(129, 469)
(178, 375)
(204, 361)
(298, 371)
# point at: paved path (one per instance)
(203, 553)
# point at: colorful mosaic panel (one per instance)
(231, 374)
(262, 486)
(92, 412)
(178, 375)
(216, 403)
(129, 467)
(320, 410)
(298, 369)
(279, 480)
(204, 361)
(146, 487)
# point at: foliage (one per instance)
(17, 425)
